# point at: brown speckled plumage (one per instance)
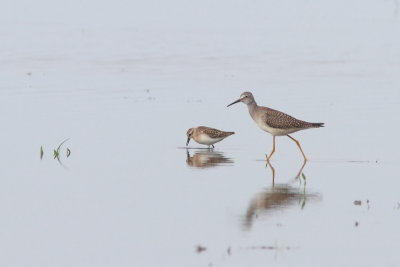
(213, 133)
(280, 120)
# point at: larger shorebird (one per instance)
(275, 122)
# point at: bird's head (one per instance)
(246, 97)
(189, 134)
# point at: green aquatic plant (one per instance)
(56, 151)
(304, 199)
(304, 178)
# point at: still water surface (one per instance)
(126, 88)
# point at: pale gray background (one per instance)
(125, 79)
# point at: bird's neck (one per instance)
(252, 106)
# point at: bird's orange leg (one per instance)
(298, 144)
(273, 148)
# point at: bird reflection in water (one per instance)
(300, 172)
(207, 158)
(278, 197)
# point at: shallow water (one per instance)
(125, 86)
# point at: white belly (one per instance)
(206, 140)
(275, 131)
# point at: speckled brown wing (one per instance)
(280, 120)
(214, 133)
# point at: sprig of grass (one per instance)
(304, 200)
(56, 153)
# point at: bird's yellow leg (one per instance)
(273, 148)
(298, 144)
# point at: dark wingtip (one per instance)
(318, 124)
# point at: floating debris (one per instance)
(272, 247)
(356, 224)
(200, 249)
(357, 202)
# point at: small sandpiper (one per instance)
(206, 136)
(275, 122)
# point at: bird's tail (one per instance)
(317, 124)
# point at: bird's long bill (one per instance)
(237, 101)
(187, 142)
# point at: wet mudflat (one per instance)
(124, 88)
